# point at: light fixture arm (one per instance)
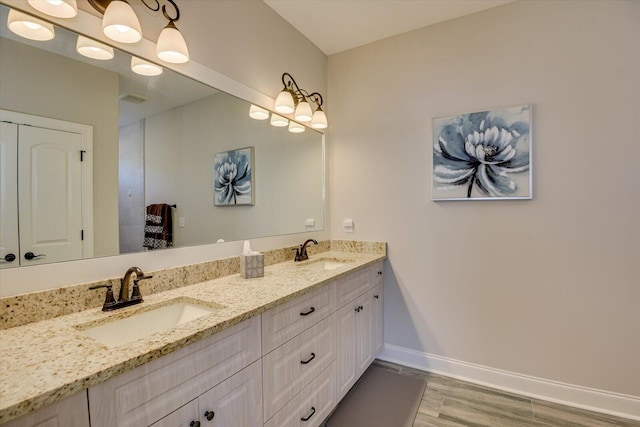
(300, 94)
(101, 6)
(164, 9)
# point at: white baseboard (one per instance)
(553, 391)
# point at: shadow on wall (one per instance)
(400, 310)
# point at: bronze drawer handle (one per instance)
(306, 313)
(304, 362)
(307, 418)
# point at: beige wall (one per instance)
(547, 287)
(48, 85)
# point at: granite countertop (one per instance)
(46, 361)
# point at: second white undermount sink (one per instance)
(146, 323)
(325, 264)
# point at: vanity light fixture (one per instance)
(295, 127)
(57, 8)
(278, 121)
(144, 68)
(258, 113)
(293, 99)
(29, 27)
(93, 49)
(120, 24)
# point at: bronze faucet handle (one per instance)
(135, 291)
(109, 300)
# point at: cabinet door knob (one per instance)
(376, 296)
(308, 417)
(8, 258)
(379, 273)
(195, 424)
(304, 362)
(306, 313)
(209, 415)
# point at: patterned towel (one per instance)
(158, 229)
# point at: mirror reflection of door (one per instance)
(51, 156)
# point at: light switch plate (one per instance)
(348, 225)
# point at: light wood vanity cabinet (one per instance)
(305, 377)
(288, 367)
(71, 411)
(155, 390)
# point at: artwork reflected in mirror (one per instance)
(144, 140)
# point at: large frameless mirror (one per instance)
(99, 160)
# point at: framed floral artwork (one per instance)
(483, 156)
(233, 178)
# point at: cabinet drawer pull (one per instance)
(376, 296)
(359, 309)
(304, 362)
(307, 418)
(379, 273)
(209, 415)
(306, 313)
(195, 424)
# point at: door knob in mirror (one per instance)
(30, 255)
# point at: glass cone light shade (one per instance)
(144, 68)
(171, 45)
(29, 27)
(319, 120)
(303, 111)
(57, 8)
(120, 23)
(258, 113)
(284, 102)
(93, 49)
(278, 121)
(295, 127)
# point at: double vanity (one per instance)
(276, 351)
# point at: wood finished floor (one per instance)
(448, 402)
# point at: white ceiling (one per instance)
(337, 25)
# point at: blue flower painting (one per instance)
(483, 155)
(233, 181)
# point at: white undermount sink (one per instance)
(325, 263)
(143, 324)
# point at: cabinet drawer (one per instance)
(146, 394)
(235, 402)
(354, 285)
(285, 321)
(290, 367)
(312, 405)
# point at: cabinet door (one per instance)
(345, 366)
(71, 411)
(364, 332)
(236, 402)
(377, 339)
(185, 416)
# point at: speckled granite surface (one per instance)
(45, 361)
(33, 307)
